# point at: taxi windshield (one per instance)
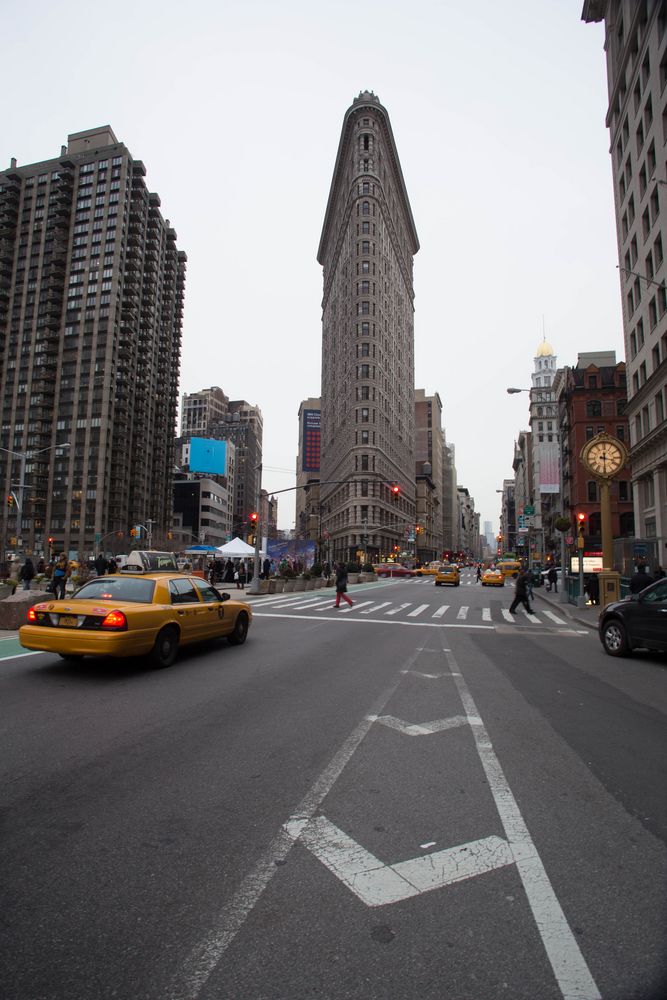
(117, 588)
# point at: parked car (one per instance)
(638, 621)
(135, 614)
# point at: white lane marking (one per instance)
(28, 652)
(554, 618)
(319, 603)
(507, 616)
(486, 614)
(463, 613)
(532, 617)
(202, 960)
(418, 610)
(376, 607)
(355, 607)
(423, 728)
(376, 884)
(370, 621)
(401, 607)
(441, 610)
(568, 963)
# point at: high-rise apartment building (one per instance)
(636, 52)
(210, 414)
(91, 300)
(429, 471)
(366, 251)
(308, 513)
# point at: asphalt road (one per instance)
(415, 798)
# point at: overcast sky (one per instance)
(236, 109)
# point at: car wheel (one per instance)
(238, 636)
(614, 638)
(166, 647)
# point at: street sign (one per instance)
(529, 509)
(569, 540)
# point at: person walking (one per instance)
(240, 576)
(101, 565)
(479, 573)
(593, 589)
(521, 593)
(27, 573)
(228, 575)
(112, 566)
(60, 576)
(341, 585)
(552, 577)
(266, 568)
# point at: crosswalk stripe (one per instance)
(356, 606)
(395, 611)
(463, 613)
(507, 616)
(441, 610)
(418, 610)
(319, 603)
(486, 614)
(554, 618)
(376, 607)
(532, 618)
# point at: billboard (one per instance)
(208, 455)
(548, 458)
(310, 459)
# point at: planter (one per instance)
(264, 586)
(311, 584)
(367, 577)
(276, 586)
(319, 583)
(289, 586)
(299, 585)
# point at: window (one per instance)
(364, 415)
(589, 433)
(365, 208)
(623, 491)
(592, 488)
(620, 432)
(364, 463)
(594, 408)
(364, 437)
(659, 409)
(592, 381)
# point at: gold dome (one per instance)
(545, 350)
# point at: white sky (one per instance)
(236, 109)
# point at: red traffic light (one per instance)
(10, 500)
(581, 518)
(395, 490)
(254, 517)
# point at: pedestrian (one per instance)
(40, 566)
(552, 577)
(659, 573)
(228, 576)
(521, 593)
(27, 573)
(240, 576)
(593, 589)
(112, 566)
(61, 574)
(101, 565)
(266, 567)
(341, 585)
(640, 580)
(479, 573)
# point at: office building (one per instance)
(91, 301)
(366, 251)
(429, 472)
(636, 52)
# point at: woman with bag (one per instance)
(341, 585)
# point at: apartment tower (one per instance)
(368, 432)
(636, 53)
(91, 300)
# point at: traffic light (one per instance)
(395, 491)
(133, 532)
(581, 521)
(253, 518)
(10, 500)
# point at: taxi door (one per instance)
(216, 622)
(191, 613)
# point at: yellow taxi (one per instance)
(136, 613)
(493, 578)
(448, 574)
(430, 570)
(509, 567)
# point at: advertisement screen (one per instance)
(311, 441)
(208, 455)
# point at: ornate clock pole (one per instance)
(604, 456)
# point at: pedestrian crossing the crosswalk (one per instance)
(408, 610)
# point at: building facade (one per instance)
(91, 302)
(366, 251)
(636, 54)
(429, 440)
(545, 454)
(308, 515)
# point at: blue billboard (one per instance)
(208, 455)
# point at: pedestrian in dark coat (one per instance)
(27, 573)
(266, 568)
(101, 565)
(640, 580)
(229, 572)
(341, 585)
(593, 588)
(521, 593)
(552, 577)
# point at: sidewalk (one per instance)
(584, 616)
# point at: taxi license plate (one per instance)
(69, 621)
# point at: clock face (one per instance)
(604, 458)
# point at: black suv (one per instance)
(639, 621)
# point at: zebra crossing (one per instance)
(409, 610)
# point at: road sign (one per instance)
(569, 540)
(529, 509)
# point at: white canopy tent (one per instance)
(236, 549)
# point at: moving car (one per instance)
(429, 570)
(392, 569)
(509, 567)
(448, 574)
(493, 578)
(638, 621)
(135, 613)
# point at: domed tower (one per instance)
(544, 429)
